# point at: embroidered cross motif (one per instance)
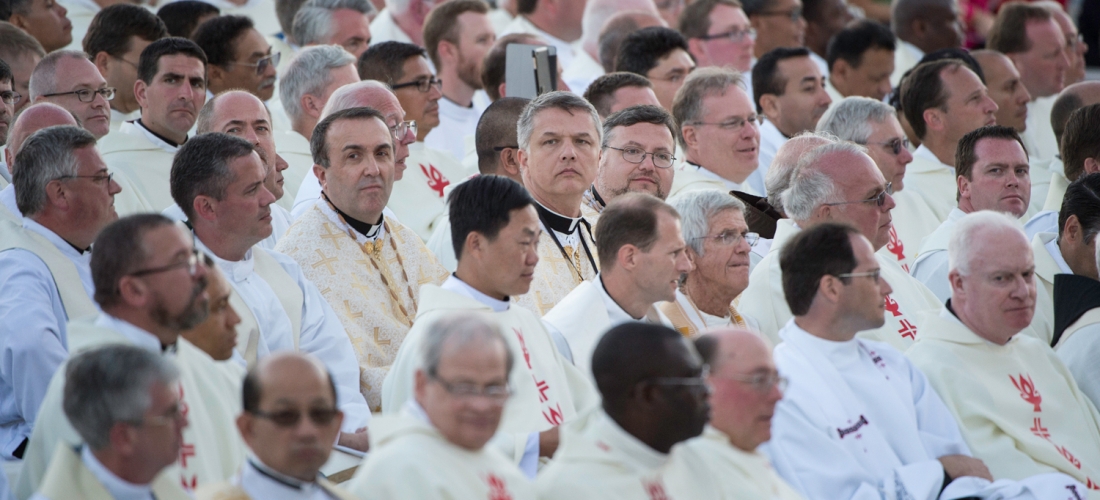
(1039, 430)
(330, 235)
(436, 180)
(378, 340)
(896, 247)
(523, 346)
(348, 311)
(1068, 456)
(555, 417)
(325, 261)
(892, 306)
(908, 330)
(186, 450)
(497, 489)
(542, 387)
(1027, 389)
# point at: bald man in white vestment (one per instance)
(654, 396)
(281, 309)
(125, 403)
(860, 421)
(147, 300)
(436, 446)
(281, 393)
(723, 463)
(1020, 409)
(642, 257)
(45, 278)
(839, 183)
(495, 230)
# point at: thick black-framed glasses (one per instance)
(191, 264)
(423, 84)
(637, 156)
(87, 95)
(877, 200)
(290, 418)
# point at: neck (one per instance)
(225, 246)
(79, 237)
(567, 205)
(828, 327)
(455, 90)
(135, 472)
(942, 148)
(961, 312)
(728, 172)
(143, 319)
(165, 132)
(709, 301)
(478, 281)
(625, 292)
(124, 105)
(362, 223)
(304, 126)
(592, 47)
(644, 428)
(965, 206)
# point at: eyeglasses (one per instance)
(191, 264)
(465, 390)
(423, 84)
(730, 238)
(402, 129)
(878, 199)
(637, 156)
(290, 418)
(88, 95)
(761, 382)
(98, 178)
(10, 97)
(894, 145)
(127, 61)
(735, 35)
(262, 64)
(794, 14)
(733, 124)
(874, 275)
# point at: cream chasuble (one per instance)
(913, 221)
(555, 275)
(691, 322)
(764, 299)
(1019, 408)
(68, 478)
(145, 167)
(710, 467)
(598, 459)
(547, 390)
(418, 198)
(210, 396)
(372, 284)
(933, 181)
(410, 459)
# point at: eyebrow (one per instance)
(811, 79)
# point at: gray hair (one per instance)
(351, 96)
(703, 82)
(44, 76)
(110, 385)
(809, 186)
(46, 155)
(778, 178)
(851, 118)
(459, 329)
(696, 208)
(566, 101)
(309, 73)
(313, 22)
(960, 248)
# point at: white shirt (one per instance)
(136, 128)
(7, 199)
(906, 57)
(261, 481)
(1043, 222)
(931, 266)
(584, 70)
(321, 332)
(280, 222)
(565, 49)
(118, 118)
(1056, 254)
(744, 187)
(455, 123)
(119, 488)
(770, 141)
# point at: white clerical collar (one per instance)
(119, 488)
(927, 154)
(65, 247)
(838, 351)
(615, 312)
(270, 483)
(1056, 253)
(138, 336)
(456, 285)
(624, 443)
(732, 186)
(237, 271)
(137, 129)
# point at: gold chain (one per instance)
(373, 250)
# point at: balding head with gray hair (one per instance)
(786, 159)
(44, 78)
(313, 24)
(310, 73)
(810, 186)
(365, 93)
(697, 208)
(456, 330)
(45, 156)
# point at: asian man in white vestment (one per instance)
(125, 403)
(218, 181)
(559, 138)
(642, 256)
(369, 266)
(1019, 407)
(289, 421)
(30, 121)
(859, 420)
(718, 243)
(942, 101)
(495, 230)
(45, 279)
(654, 396)
(437, 446)
(838, 183)
(723, 463)
(150, 285)
(171, 89)
(874, 125)
(636, 155)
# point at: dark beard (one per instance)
(194, 314)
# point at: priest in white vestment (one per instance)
(654, 396)
(838, 183)
(859, 420)
(718, 133)
(120, 398)
(429, 450)
(281, 308)
(642, 256)
(146, 303)
(1080, 156)
(1019, 407)
(45, 278)
(1077, 344)
(280, 393)
(718, 244)
(371, 268)
(142, 150)
(497, 231)
(724, 463)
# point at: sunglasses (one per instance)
(291, 418)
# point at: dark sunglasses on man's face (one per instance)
(290, 418)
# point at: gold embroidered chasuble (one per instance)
(555, 275)
(373, 284)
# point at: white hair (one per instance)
(310, 73)
(352, 96)
(697, 207)
(810, 187)
(961, 250)
(851, 118)
(778, 178)
(313, 22)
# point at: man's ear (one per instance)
(102, 61)
(934, 119)
(691, 138)
(205, 208)
(503, 90)
(215, 75)
(963, 186)
(698, 50)
(244, 425)
(830, 288)
(954, 278)
(56, 195)
(1072, 230)
(769, 104)
(473, 243)
(509, 162)
(447, 51)
(840, 72)
(139, 93)
(311, 105)
(521, 159)
(1092, 166)
(628, 257)
(322, 175)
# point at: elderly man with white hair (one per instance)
(875, 125)
(1018, 406)
(718, 244)
(838, 183)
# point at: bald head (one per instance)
(369, 93)
(497, 129)
(779, 174)
(226, 106)
(288, 364)
(34, 118)
(745, 385)
(1071, 99)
